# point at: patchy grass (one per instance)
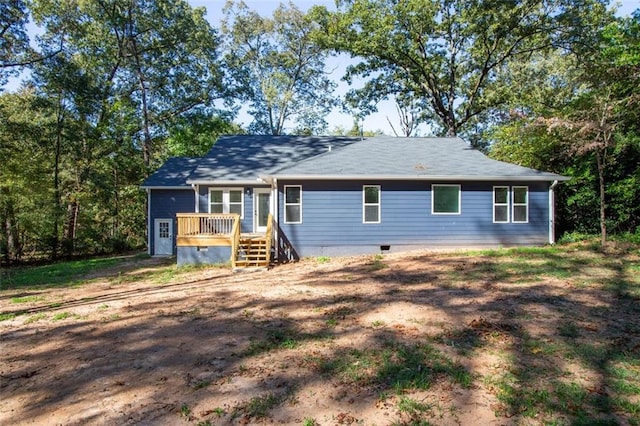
(64, 315)
(414, 410)
(62, 274)
(35, 318)
(5, 316)
(395, 366)
(545, 335)
(27, 299)
(277, 339)
(258, 407)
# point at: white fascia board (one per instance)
(244, 182)
(452, 178)
(167, 187)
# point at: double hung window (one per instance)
(226, 200)
(371, 204)
(510, 204)
(293, 204)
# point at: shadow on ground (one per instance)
(536, 336)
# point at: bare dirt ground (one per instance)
(418, 338)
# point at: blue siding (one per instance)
(247, 221)
(165, 203)
(332, 218)
(208, 255)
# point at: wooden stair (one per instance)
(252, 252)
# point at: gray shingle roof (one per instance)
(413, 158)
(244, 158)
(173, 173)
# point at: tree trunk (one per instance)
(71, 227)
(603, 218)
(450, 124)
(133, 50)
(116, 203)
(9, 246)
(55, 242)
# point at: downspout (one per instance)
(276, 227)
(552, 212)
(149, 230)
(196, 189)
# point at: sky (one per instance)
(336, 65)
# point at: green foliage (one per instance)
(582, 121)
(193, 134)
(108, 81)
(14, 41)
(277, 69)
(446, 57)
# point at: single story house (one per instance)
(255, 198)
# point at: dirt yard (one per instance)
(418, 338)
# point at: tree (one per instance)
(14, 42)
(193, 134)
(158, 57)
(277, 69)
(25, 211)
(115, 74)
(448, 53)
(581, 118)
(409, 114)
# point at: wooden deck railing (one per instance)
(269, 237)
(235, 242)
(190, 224)
(205, 229)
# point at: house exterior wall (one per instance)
(332, 221)
(247, 217)
(203, 255)
(164, 204)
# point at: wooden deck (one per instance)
(207, 230)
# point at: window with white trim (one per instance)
(520, 204)
(292, 204)
(226, 200)
(371, 204)
(510, 204)
(500, 204)
(445, 199)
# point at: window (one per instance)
(510, 204)
(371, 204)
(235, 201)
(445, 199)
(226, 200)
(292, 204)
(215, 201)
(520, 213)
(163, 231)
(500, 204)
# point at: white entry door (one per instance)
(261, 209)
(163, 237)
